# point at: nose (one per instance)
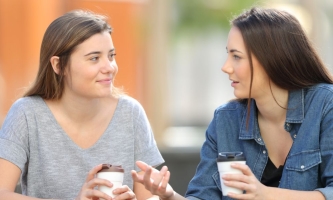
(227, 68)
(109, 66)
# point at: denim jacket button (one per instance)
(264, 152)
(259, 139)
(302, 167)
(295, 136)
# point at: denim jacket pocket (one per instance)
(302, 170)
(304, 160)
(217, 180)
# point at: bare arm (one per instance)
(141, 192)
(10, 175)
(155, 181)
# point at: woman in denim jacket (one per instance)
(282, 118)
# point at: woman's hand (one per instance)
(88, 192)
(154, 181)
(123, 193)
(246, 181)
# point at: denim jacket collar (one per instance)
(295, 103)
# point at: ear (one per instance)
(55, 64)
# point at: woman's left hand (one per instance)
(124, 193)
(254, 189)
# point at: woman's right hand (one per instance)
(154, 181)
(88, 192)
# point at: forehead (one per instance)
(235, 39)
(97, 42)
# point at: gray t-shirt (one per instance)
(53, 166)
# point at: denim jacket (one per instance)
(309, 164)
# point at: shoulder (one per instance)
(322, 87)
(23, 111)
(319, 97)
(126, 100)
(319, 91)
(27, 103)
(129, 102)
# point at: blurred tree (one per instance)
(201, 14)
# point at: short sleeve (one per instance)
(14, 136)
(146, 149)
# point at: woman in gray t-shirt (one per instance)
(73, 119)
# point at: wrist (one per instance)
(170, 197)
(267, 193)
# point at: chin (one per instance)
(241, 95)
(106, 95)
(103, 94)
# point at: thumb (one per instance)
(135, 176)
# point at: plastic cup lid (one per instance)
(230, 156)
(111, 168)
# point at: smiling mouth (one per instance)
(105, 80)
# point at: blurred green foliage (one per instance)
(201, 14)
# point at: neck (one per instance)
(273, 108)
(81, 109)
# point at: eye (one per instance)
(112, 56)
(236, 57)
(94, 58)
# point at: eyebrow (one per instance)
(98, 52)
(233, 50)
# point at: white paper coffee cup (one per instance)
(224, 161)
(112, 173)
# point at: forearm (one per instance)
(279, 193)
(176, 196)
(6, 194)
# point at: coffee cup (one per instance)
(112, 173)
(224, 160)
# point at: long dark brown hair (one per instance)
(281, 46)
(60, 39)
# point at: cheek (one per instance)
(261, 77)
(78, 77)
(244, 73)
(115, 67)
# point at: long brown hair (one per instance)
(60, 39)
(278, 41)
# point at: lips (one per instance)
(234, 83)
(105, 80)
